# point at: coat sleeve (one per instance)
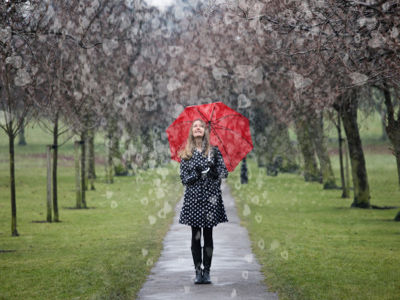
(188, 175)
(220, 164)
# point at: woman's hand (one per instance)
(213, 173)
(198, 169)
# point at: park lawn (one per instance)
(104, 252)
(312, 245)
(37, 138)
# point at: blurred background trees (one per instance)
(126, 70)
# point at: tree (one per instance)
(17, 70)
(332, 48)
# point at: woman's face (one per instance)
(198, 129)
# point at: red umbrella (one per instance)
(229, 130)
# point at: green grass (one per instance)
(104, 252)
(370, 127)
(312, 245)
(37, 138)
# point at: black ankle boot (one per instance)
(207, 257)
(196, 253)
(199, 276)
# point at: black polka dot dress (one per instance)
(202, 202)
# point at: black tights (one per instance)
(207, 235)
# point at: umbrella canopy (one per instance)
(229, 130)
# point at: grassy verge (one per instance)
(312, 245)
(37, 139)
(104, 252)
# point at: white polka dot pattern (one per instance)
(202, 202)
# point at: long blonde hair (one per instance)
(187, 152)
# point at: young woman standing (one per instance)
(201, 170)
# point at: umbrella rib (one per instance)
(223, 146)
(204, 117)
(230, 115)
(212, 112)
(226, 128)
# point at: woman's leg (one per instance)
(196, 246)
(208, 237)
(207, 253)
(196, 252)
(196, 237)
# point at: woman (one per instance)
(201, 170)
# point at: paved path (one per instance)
(235, 272)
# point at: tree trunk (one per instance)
(21, 136)
(11, 139)
(48, 202)
(384, 135)
(55, 167)
(345, 189)
(311, 172)
(109, 163)
(279, 152)
(317, 132)
(392, 127)
(346, 167)
(115, 136)
(77, 176)
(83, 168)
(262, 149)
(348, 113)
(262, 121)
(287, 151)
(91, 156)
(147, 149)
(109, 152)
(397, 154)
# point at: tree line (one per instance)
(127, 69)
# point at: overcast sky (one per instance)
(161, 4)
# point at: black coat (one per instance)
(202, 203)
